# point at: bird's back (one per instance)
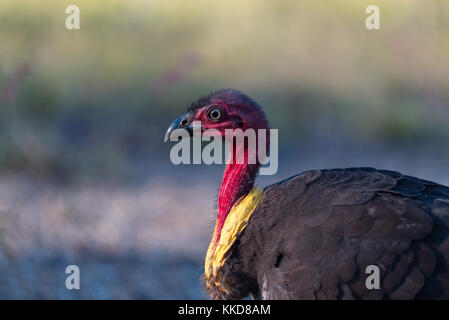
(313, 236)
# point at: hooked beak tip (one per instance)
(167, 136)
(173, 126)
(170, 129)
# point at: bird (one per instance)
(320, 234)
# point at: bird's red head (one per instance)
(221, 110)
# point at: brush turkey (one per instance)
(313, 235)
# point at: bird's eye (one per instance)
(214, 114)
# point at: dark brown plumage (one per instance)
(312, 236)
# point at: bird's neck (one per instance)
(238, 180)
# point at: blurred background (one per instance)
(85, 178)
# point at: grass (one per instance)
(110, 88)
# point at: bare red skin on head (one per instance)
(238, 179)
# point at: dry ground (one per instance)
(148, 239)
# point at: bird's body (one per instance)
(313, 236)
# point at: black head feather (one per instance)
(229, 96)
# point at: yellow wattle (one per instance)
(234, 225)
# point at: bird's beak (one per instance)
(182, 122)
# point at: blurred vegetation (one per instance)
(93, 100)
